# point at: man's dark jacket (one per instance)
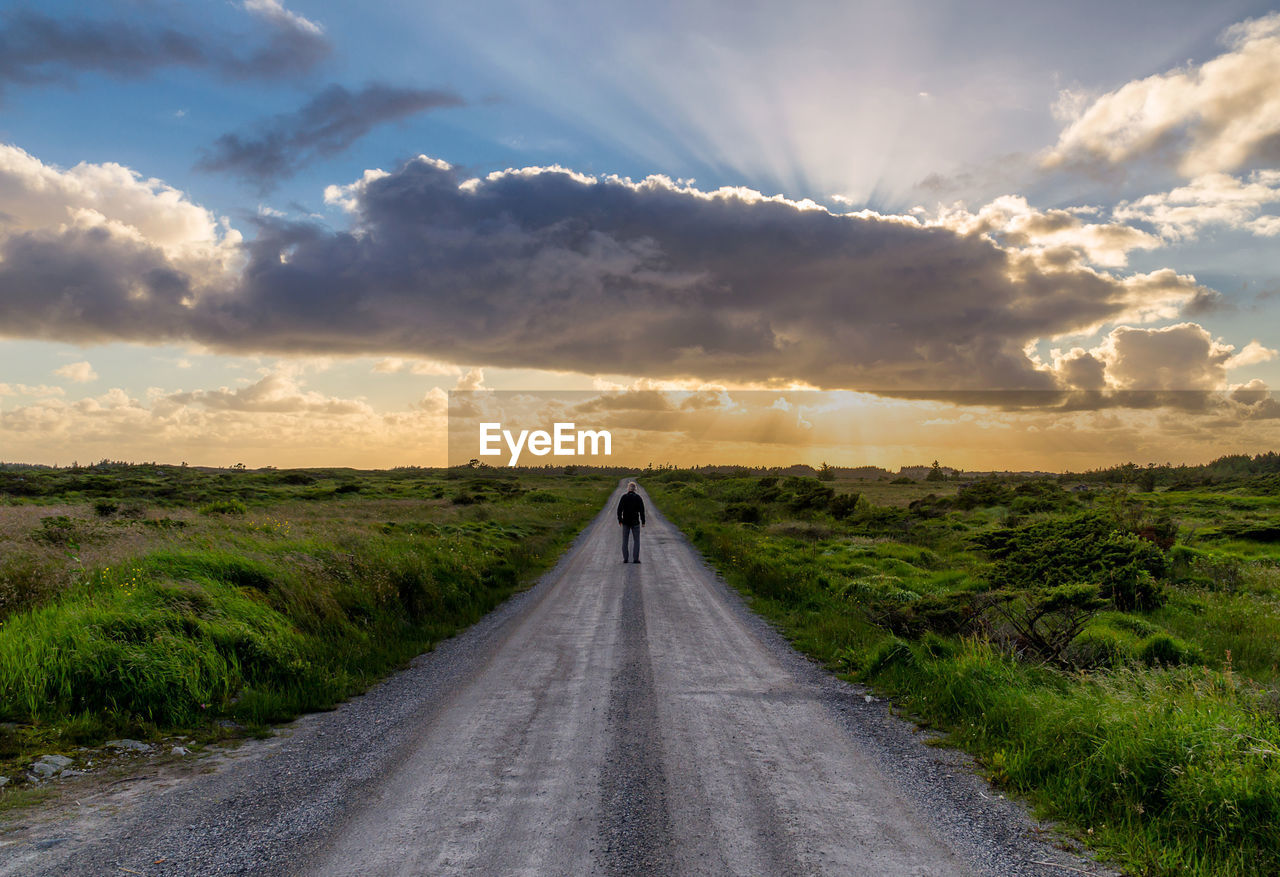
(630, 509)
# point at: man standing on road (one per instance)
(631, 519)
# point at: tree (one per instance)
(826, 472)
(936, 473)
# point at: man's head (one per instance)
(631, 488)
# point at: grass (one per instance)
(247, 601)
(1109, 656)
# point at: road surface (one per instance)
(615, 719)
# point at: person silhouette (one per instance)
(631, 519)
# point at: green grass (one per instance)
(217, 608)
(1154, 734)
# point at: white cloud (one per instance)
(1252, 354)
(114, 199)
(274, 12)
(1209, 200)
(1219, 116)
(1013, 223)
(348, 197)
(79, 372)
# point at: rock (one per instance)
(4, 781)
(180, 750)
(43, 771)
(129, 745)
(58, 761)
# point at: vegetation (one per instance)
(1106, 651)
(148, 600)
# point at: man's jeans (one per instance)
(634, 532)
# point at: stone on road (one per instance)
(616, 719)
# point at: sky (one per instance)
(281, 232)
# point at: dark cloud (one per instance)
(294, 45)
(547, 269)
(36, 48)
(326, 125)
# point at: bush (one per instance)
(1098, 649)
(1081, 548)
(57, 530)
(1168, 651)
(808, 494)
(295, 478)
(983, 493)
(744, 512)
(892, 652)
(843, 505)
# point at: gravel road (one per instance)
(615, 719)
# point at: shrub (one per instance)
(1045, 622)
(1168, 651)
(1081, 548)
(892, 652)
(745, 512)
(1098, 649)
(808, 494)
(58, 530)
(844, 505)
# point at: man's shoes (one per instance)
(637, 560)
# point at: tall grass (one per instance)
(254, 618)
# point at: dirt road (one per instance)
(616, 719)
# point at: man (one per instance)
(631, 519)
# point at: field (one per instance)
(1108, 652)
(148, 601)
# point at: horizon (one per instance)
(288, 233)
(649, 469)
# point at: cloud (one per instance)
(37, 49)
(79, 372)
(1209, 200)
(1252, 354)
(1220, 116)
(547, 268)
(326, 125)
(473, 380)
(1182, 357)
(1080, 369)
(273, 421)
(277, 392)
(395, 365)
(294, 46)
(41, 200)
(1013, 223)
(29, 390)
